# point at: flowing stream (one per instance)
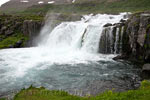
(68, 58)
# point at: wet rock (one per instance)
(145, 15)
(146, 71)
(18, 44)
(4, 28)
(111, 17)
(1, 39)
(8, 32)
(107, 25)
(17, 25)
(122, 21)
(136, 38)
(10, 25)
(147, 57)
(105, 43)
(11, 46)
(127, 15)
(31, 27)
(119, 57)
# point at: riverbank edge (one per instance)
(32, 93)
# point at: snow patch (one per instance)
(40, 2)
(25, 1)
(50, 2)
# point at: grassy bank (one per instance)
(90, 7)
(143, 93)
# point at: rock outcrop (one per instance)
(129, 38)
(16, 31)
(146, 71)
(136, 38)
(31, 29)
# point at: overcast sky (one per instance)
(3, 1)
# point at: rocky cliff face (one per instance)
(137, 33)
(134, 38)
(31, 29)
(15, 31)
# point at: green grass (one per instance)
(11, 40)
(90, 7)
(2, 99)
(143, 93)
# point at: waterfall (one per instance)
(84, 35)
(121, 44)
(74, 56)
(68, 43)
(117, 40)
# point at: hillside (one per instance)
(79, 6)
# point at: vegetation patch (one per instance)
(32, 93)
(89, 7)
(12, 40)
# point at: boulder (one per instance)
(11, 46)
(8, 32)
(18, 44)
(4, 28)
(122, 21)
(107, 25)
(147, 57)
(119, 57)
(1, 39)
(146, 71)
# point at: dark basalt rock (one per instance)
(136, 38)
(107, 25)
(20, 26)
(1, 39)
(11, 46)
(3, 29)
(119, 57)
(146, 71)
(147, 57)
(18, 44)
(122, 21)
(119, 24)
(105, 43)
(8, 32)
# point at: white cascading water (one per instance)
(81, 35)
(121, 44)
(111, 39)
(67, 43)
(117, 40)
